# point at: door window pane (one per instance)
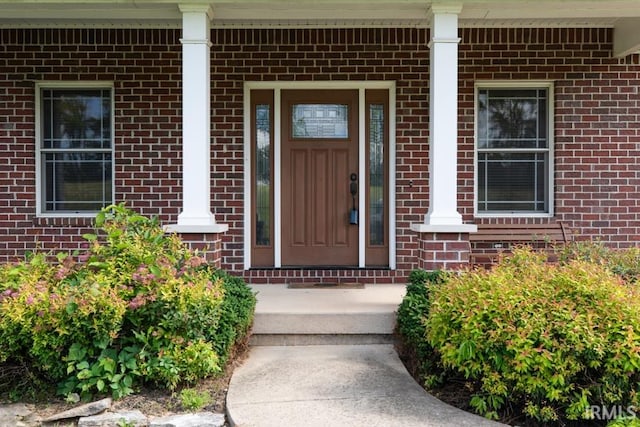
(320, 121)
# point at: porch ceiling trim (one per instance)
(317, 13)
(299, 24)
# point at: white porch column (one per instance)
(443, 215)
(196, 216)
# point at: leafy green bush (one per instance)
(45, 310)
(625, 422)
(111, 370)
(547, 341)
(136, 306)
(411, 317)
(194, 400)
(237, 309)
(623, 262)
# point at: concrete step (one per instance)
(319, 339)
(325, 316)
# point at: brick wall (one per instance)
(597, 122)
(596, 99)
(145, 68)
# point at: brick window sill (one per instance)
(63, 221)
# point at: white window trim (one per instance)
(516, 84)
(40, 212)
(277, 87)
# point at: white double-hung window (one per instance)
(74, 148)
(514, 149)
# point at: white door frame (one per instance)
(277, 88)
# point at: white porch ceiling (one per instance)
(622, 15)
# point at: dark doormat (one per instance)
(329, 285)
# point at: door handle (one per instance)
(353, 187)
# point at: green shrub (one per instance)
(237, 310)
(194, 400)
(178, 363)
(111, 371)
(50, 309)
(625, 422)
(623, 262)
(548, 341)
(412, 313)
(136, 306)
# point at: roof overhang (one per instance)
(621, 15)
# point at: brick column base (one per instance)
(443, 251)
(208, 245)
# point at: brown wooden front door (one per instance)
(319, 155)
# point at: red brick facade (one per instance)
(443, 251)
(208, 245)
(597, 122)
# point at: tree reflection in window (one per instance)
(513, 150)
(76, 149)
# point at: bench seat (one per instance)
(492, 239)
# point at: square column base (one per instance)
(443, 251)
(208, 245)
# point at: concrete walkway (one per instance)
(326, 385)
(329, 385)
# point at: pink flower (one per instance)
(68, 262)
(136, 302)
(196, 261)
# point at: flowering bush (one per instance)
(623, 262)
(547, 341)
(135, 306)
(44, 310)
